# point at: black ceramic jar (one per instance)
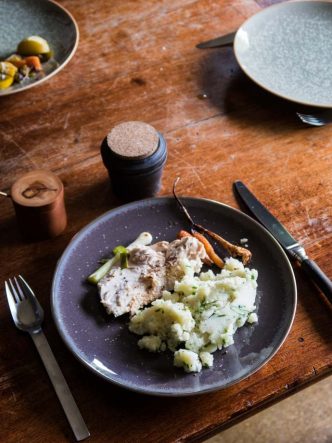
(134, 154)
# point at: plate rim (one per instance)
(262, 85)
(142, 390)
(7, 92)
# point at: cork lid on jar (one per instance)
(38, 188)
(133, 140)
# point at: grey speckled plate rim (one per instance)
(143, 390)
(60, 67)
(238, 57)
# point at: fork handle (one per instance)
(61, 387)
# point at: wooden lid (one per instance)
(38, 188)
(133, 140)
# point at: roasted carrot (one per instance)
(183, 233)
(209, 249)
(34, 62)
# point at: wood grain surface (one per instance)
(137, 61)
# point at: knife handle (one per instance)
(318, 276)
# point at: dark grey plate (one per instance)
(105, 345)
(21, 18)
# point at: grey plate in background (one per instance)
(105, 345)
(287, 50)
(22, 18)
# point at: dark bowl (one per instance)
(22, 18)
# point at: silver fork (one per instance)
(320, 118)
(28, 316)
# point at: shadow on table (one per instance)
(10, 235)
(116, 405)
(89, 201)
(231, 91)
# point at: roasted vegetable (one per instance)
(103, 270)
(145, 238)
(33, 62)
(120, 250)
(209, 249)
(124, 260)
(234, 250)
(123, 255)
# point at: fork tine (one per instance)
(9, 293)
(11, 301)
(29, 294)
(13, 292)
(26, 288)
(26, 291)
(22, 295)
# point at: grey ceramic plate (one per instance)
(104, 343)
(21, 18)
(287, 49)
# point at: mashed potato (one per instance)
(200, 316)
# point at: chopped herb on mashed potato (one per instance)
(200, 316)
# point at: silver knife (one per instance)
(224, 40)
(293, 248)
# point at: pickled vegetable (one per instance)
(6, 81)
(7, 74)
(16, 60)
(32, 52)
(33, 62)
(33, 45)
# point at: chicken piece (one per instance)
(151, 269)
(187, 250)
(128, 289)
(161, 246)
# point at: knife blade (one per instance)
(224, 40)
(293, 248)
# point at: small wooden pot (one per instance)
(38, 199)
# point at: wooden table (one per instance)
(137, 61)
